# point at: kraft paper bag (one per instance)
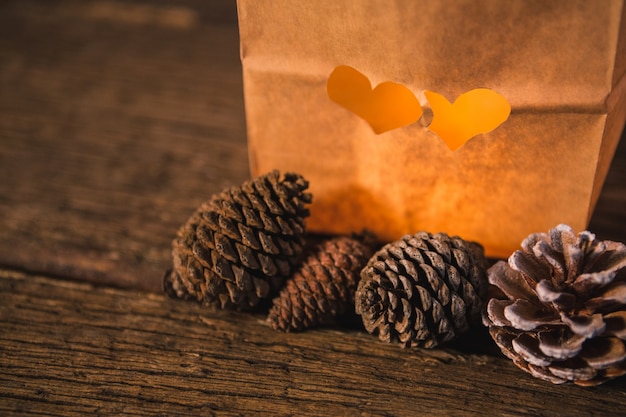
(559, 64)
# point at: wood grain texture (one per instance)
(112, 132)
(67, 348)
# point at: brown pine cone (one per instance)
(422, 290)
(240, 246)
(323, 288)
(562, 315)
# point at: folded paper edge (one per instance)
(613, 132)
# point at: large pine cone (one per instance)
(323, 288)
(422, 289)
(561, 316)
(240, 246)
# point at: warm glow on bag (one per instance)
(489, 120)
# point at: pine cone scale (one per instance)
(203, 235)
(510, 281)
(285, 228)
(228, 228)
(528, 347)
(573, 370)
(616, 324)
(223, 247)
(248, 238)
(527, 265)
(251, 218)
(242, 279)
(202, 254)
(604, 353)
(230, 210)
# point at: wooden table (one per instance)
(117, 119)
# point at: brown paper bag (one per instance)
(560, 64)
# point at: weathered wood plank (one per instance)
(67, 348)
(112, 131)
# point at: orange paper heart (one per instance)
(388, 106)
(475, 112)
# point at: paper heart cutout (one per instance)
(388, 106)
(475, 112)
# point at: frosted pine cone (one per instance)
(562, 315)
(422, 290)
(323, 288)
(240, 246)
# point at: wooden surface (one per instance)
(71, 349)
(113, 131)
(117, 118)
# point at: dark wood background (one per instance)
(117, 119)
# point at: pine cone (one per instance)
(561, 316)
(422, 289)
(323, 288)
(240, 246)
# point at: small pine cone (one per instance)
(561, 316)
(240, 246)
(323, 288)
(422, 290)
